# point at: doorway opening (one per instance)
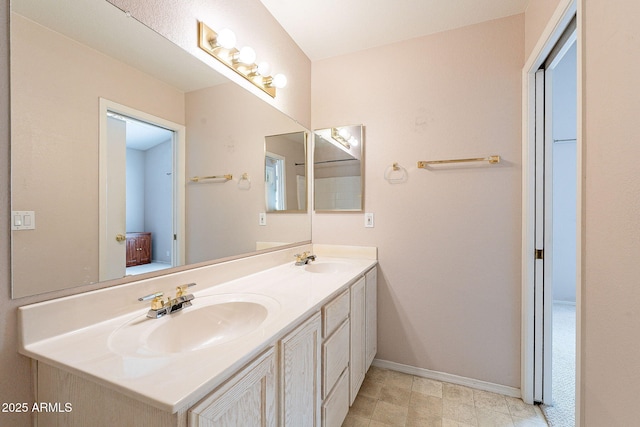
(551, 218)
(149, 195)
(275, 180)
(559, 228)
(141, 192)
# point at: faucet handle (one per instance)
(302, 256)
(182, 289)
(156, 300)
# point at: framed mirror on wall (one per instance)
(106, 73)
(285, 177)
(338, 169)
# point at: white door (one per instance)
(542, 292)
(544, 214)
(115, 231)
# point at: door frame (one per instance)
(178, 252)
(551, 34)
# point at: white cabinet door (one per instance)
(371, 317)
(300, 375)
(247, 399)
(358, 338)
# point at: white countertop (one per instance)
(172, 381)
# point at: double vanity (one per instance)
(264, 342)
(258, 340)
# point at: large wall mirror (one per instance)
(338, 170)
(129, 155)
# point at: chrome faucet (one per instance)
(304, 258)
(160, 307)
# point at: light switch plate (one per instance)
(368, 220)
(23, 220)
(262, 219)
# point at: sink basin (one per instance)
(211, 321)
(326, 267)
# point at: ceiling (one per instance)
(327, 28)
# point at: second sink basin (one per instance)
(326, 267)
(212, 320)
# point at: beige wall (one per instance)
(222, 220)
(611, 214)
(448, 240)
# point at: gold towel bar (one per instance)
(227, 177)
(491, 159)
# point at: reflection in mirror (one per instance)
(285, 180)
(100, 61)
(338, 169)
(141, 192)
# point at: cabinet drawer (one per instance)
(336, 406)
(334, 313)
(335, 357)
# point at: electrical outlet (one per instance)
(368, 220)
(262, 218)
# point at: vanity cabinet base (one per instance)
(93, 404)
(305, 378)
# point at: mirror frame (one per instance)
(362, 169)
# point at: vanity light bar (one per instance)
(220, 47)
(336, 135)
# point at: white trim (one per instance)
(178, 257)
(579, 203)
(552, 32)
(448, 378)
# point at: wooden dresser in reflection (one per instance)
(138, 249)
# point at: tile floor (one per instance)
(390, 398)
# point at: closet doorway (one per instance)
(551, 220)
(556, 216)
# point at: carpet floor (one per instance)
(561, 413)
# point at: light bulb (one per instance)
(264, 68)
(247, 55)
(226, 38)
(344, 133)
(353, 141)
(279, 81)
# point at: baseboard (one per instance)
(449, 378)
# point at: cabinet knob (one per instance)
(120, 237)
